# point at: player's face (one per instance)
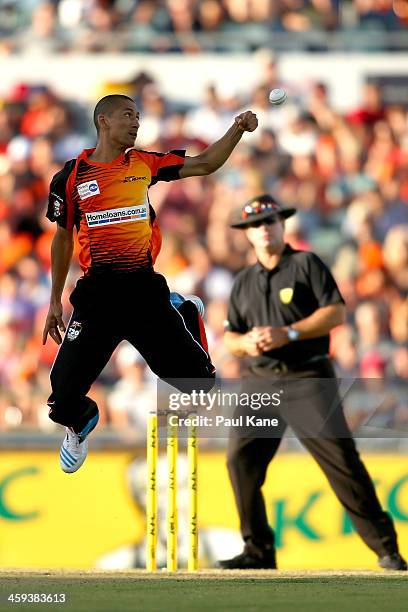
(123, 124)
(268, 236)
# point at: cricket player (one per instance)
(103, 193)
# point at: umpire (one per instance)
(280, 314)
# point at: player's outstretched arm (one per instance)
(61, 254)
(217, 154)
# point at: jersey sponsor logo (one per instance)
(286, 295)
(131, 179)
(88, 189)
(74, 330)
(57, 208)
(117, 215)
(57, 204)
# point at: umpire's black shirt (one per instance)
(293, 290)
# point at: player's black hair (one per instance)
(106, 106)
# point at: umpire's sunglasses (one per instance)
(268, 221)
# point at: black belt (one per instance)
(281, 367)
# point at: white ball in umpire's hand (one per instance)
(277, 96)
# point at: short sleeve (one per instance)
(235, 322)
(59, 200)
(322, 282)
(166, 166)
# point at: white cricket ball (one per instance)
(277, 96)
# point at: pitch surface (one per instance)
(212, 591)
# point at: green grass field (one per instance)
(215, 591)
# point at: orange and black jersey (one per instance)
(109, 206)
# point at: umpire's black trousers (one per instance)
(315, 414)
(134, 307)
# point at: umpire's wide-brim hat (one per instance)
(260, 208)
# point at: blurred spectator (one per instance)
(44, 35)
(371, 339)
(98, 31)
(396, 255)
(131, 398)
(211, 15)
(379, 14)
(37, 26)
(371, 108)
(344, 352)
(300, 16)
(399, 321)
(372, 365)
(399, 366)
(210, 120)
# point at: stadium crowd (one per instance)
(346, 174)
(38, 26)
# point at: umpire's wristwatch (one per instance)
(293, 334)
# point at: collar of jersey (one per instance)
(85, 156)
(287, 251)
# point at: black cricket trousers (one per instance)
(325, 434)
(134, 307)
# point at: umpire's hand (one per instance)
(249, 344)
(54, 323)
(269, 338)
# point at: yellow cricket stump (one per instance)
(172, 451)
(192, 499)
(151, 493)
(172, 514)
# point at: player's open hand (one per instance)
(54, 324)
(247, 121)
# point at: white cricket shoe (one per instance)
(177, 300)
(74, 450)
(198, 303)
